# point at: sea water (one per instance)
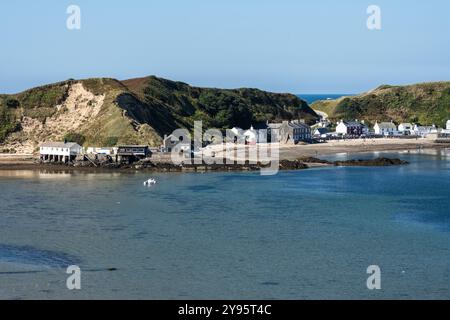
(307, 234)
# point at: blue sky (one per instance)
(320, 46)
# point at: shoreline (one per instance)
(290, 155)
(359, 147)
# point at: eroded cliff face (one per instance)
(79, 107)
(88, 111)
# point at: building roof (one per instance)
(425, 128)
(405, 124)
(386, 125)
(251, 130)
(60, 145)
(323, 130)
(292, 124)
(274, 125)
(298, 125)
(170, 138)
(353, 124)
(260, 126)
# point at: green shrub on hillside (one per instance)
(75, 137)
(423, 103)
(8, 124)
(111, 142)
(12, 103)
(40, 113)
(43, 97)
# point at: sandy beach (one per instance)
(293, 152)
(17, 159)
(356, 146)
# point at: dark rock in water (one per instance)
(314, 160)
(379, 162)
(292, 165)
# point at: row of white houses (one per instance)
(287, 132)
(388, 129)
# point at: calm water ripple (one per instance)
(298, 235)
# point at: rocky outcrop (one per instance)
(379, 162)
(292, 165)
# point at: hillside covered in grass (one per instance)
(108, 112)
(426, 103)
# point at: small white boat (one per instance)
(150, 182)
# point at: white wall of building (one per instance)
(54, 151)
(403, 127)
(61, 150)
(384, 131)
(341, 128)
(251, 136)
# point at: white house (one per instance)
(237, 135)
(405, 128)
(424, 131)
(321, 132)
(251, 136)
(102, 151)
(342, 127)
(352, 128)
(171, 143)
(237, 131)
(59, 151)
(446, 131)
(385, 129)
